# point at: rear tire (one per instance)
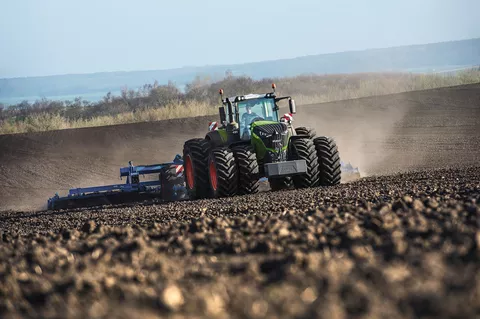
(248, 171)
(329, 161)
(223, 173)
(303, 148)
(306, 131)
(195, 157)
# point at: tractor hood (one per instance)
(268, 128)
(270, 139)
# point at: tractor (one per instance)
(253, 142)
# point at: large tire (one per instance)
(329, 161)
(168, 179)
(303, 148)
(248, 171)
(223, 173)
(310, 132)
(195, 157)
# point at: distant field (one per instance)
(153, 103)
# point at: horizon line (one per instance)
(234, 64)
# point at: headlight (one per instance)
(263, 134)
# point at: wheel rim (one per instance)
(213, 175)
(189, 172)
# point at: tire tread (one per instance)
(329, 161)
(199, 148)
(227, 172)
(303, 148)
(248, 170)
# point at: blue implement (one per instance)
(132, 189)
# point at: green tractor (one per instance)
(254, 142)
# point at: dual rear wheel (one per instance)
(329, 173)
(220, 171)
(323, 162)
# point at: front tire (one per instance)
(329, 161)
(195, 156)
(223, 173)
(303, 148)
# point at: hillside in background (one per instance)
(428, 58)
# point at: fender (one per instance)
(216, 137)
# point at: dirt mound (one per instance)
(434, 128)
(402, 246)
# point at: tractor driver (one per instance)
(248, 117)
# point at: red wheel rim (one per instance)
(189, 172)
(213, 175)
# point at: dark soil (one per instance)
(394, 246)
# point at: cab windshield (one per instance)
(256, 109)
(253, 110)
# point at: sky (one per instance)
(52, 37)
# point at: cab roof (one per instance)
(252, 96)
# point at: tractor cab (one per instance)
(242, 111)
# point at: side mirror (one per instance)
(223, 116)
(293, 108)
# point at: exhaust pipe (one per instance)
(230, 111)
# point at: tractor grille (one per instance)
(274, 136)
(271, 128)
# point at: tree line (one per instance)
(205, 90)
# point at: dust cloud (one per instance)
(363, 130)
